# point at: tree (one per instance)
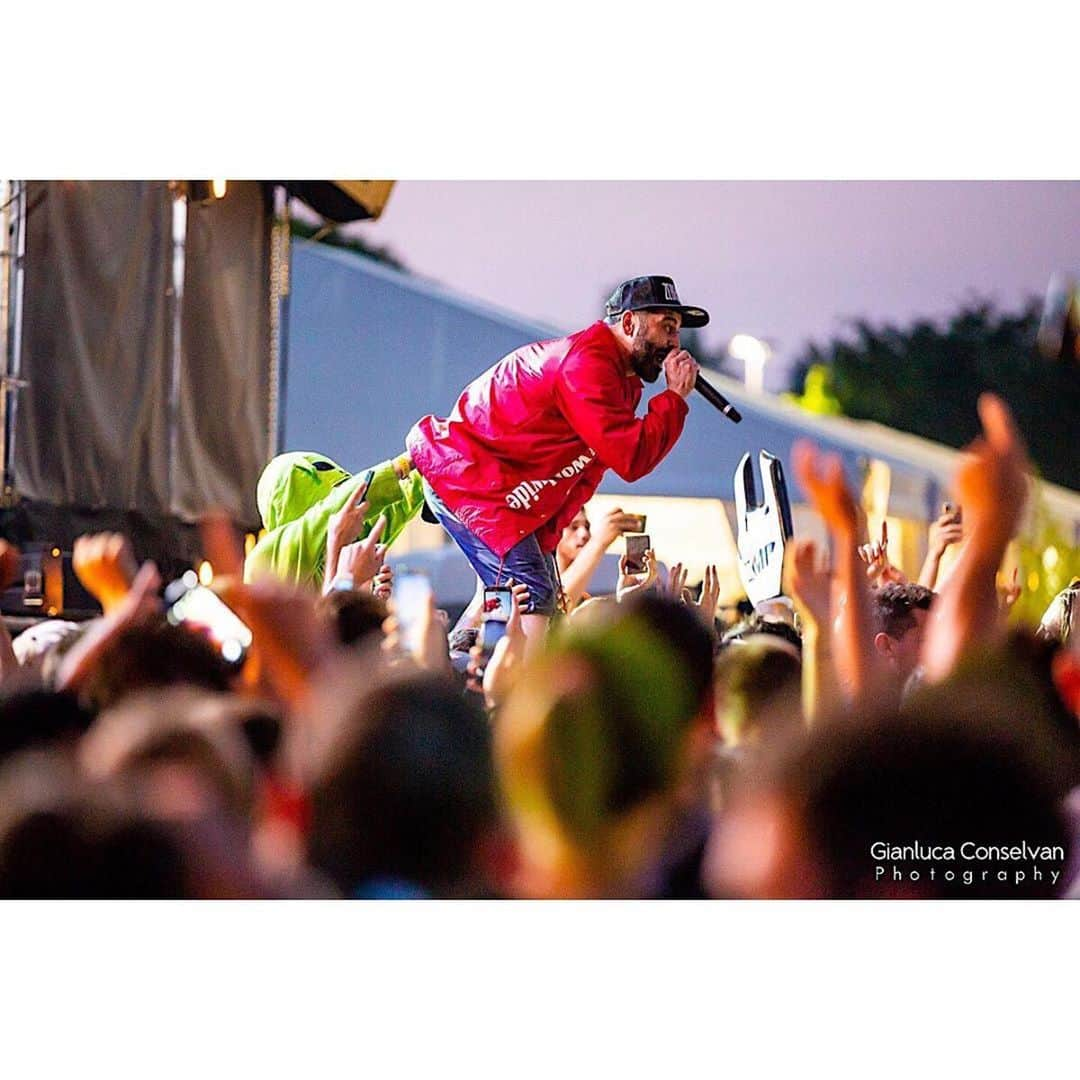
(926, 379)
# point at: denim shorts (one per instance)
(524, 562)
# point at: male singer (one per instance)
(530, 439)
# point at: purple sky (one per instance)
(788, 261)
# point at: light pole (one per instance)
(755, 354)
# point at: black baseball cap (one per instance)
(653, 293)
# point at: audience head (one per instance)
(292, 483)
(828, 816)
(403, 792)
(758, 687)
(33, 717)
(574, 537)
(182, 752)
(356, 616)
(590, 749)
(900, 612)
(61, 839)
(154, 656)
(779, 634)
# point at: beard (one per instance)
(647, 360)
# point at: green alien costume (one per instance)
(297, 495)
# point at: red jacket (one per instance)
(529, 440)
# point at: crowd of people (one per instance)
(305, 728)
(891, 738)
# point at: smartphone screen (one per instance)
(636, 546)
(638, 523)
(410, 600)
(498, 607)
(201, 609)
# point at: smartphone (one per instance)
(495, 614)
(411, 594)
(199, 608)
(954, 510)
(636, 546)
(637, 523)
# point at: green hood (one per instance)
(291, 484)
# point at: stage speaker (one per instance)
(46, 587)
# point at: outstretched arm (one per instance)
(576, 577)
(808, 582)
(591, 394)
(992, 484)
(822, 478)
(947, 530)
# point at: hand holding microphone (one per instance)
(680, 370)
(683, 375)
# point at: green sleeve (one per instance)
(296, 551)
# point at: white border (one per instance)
(536, 990)
(565, 90)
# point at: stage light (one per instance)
(206, 573)
(219, 188)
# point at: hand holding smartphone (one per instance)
(636, 546)
(412, 594)
(201, 609)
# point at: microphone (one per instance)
(716, 399)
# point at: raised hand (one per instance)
(507, 660)
(879, 569)
(992, 484)
(105, 564)
(808, 582)
(138, 605)
(631, 583)
(290, 638)
(362, 560)
(346, 525)
(992, 481)
(342, 529)
(947, 530)
(1008, 592)
(822, 478)
(710, 594)
(382, 584)
(676, 582)
(9, 563)
(612, 525)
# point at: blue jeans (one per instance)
(524, 562)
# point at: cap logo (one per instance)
(670, 293)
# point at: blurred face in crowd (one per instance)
(654, 335)
(903, 653)
(574, 537)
